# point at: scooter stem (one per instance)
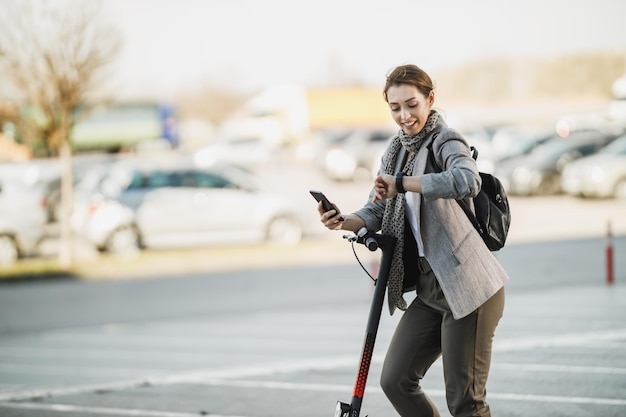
(386, 244)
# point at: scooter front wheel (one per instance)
(342, 409)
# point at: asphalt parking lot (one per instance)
(272, 342)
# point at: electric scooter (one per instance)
(386, 244)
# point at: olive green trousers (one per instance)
(426, 331)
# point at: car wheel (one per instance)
(284, 230)
(8, 251)
(123, 241)
(620, 190)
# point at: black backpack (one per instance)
(493, 214)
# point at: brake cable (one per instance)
(353, 239)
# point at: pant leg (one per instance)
(466, 353)
(415, 345)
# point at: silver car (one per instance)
(539, 172)
(356, 156)
(172, 203)
(23, 216)
(600, 175)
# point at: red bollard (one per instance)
(609, 256)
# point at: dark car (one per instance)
(513, 141)
(539, 172)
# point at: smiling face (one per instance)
(409, 107)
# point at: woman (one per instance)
(459, 283)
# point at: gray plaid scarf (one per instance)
(393, 217)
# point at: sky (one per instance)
(247, 45)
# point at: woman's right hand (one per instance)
(332, 219)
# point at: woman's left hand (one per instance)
(384, 187)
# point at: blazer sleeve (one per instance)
(460, 178)
(372, 213)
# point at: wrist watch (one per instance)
(399, 185)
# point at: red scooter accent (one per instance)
(386, 244)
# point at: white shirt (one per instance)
(412, 213)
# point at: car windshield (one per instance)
(523, 145)
(237, 175)
(553, 148)
(115, 181)
(91, 179)
(617, 147)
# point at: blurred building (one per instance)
(276, 116)
(288, 113)
(347, 107)
(124, 125)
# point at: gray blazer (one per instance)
(467, 271)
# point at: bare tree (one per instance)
(53, 53)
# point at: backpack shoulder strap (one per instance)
(462, 203)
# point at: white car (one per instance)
(172, 203)
(249, 152)
(356, 156)
(23, 216)
(601, 175)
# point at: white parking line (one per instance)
(128, 412)
(243, 371)
(75, 370)
(290, 386)
(329, 363)
(541, 367)
(557, 399)
(233, 377)
(67, 408)
(118, 354)
(567, 339)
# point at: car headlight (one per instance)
(597, 174)
(337, 158)
(522, 175)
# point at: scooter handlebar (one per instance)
(372, 241)
(368, 239)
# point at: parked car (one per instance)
(325, 139)
(249, 152)
(356, 156)
(135, 204)
(481, 139)
(50, 179)
(539, 172)
(602, 175)
(45, 175)
(23, 216)
(513, 141)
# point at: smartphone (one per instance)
(326, 204)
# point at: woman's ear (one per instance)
(431, 97)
